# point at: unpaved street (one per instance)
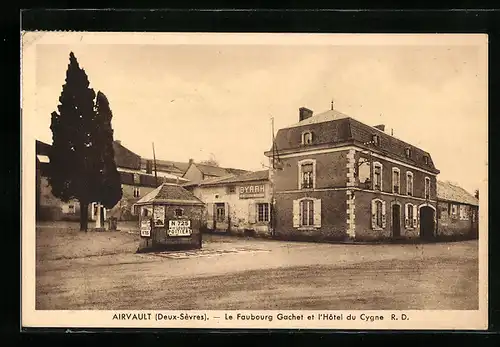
(101, 271)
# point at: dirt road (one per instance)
(101, 271)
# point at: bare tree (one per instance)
(211, 161)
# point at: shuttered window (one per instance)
(409, 183)
(378, 214)
(395, 180)
(307, 176)
(307, 213)
(377, 176)
(411, 212)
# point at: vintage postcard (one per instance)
(274, 181)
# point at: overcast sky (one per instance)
(194, 100)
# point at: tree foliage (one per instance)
(212, 161)
(110, 184)
(81, 159)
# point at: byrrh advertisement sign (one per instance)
(252, 191)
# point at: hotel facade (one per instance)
(336, 178)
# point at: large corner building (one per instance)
(338, 178)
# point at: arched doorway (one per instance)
(427, 224)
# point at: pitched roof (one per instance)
(333, 128)
(320, 118)
(246, 177)
(170, 193)
(172, 166)
(211, 170)
(230, 179)
(125, 158)
(452, 192)
(207, 181)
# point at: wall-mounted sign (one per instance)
(146, 228)
(179, 227)
(253, 191)
(159, 216)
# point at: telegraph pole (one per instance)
(154, 161)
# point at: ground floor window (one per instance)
(410, 216)
(307, 212)
(263, 212)
(220, 212)
(378, 214)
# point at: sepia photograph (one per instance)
(276, 180)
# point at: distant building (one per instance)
(49, 207)
(136, 183)
(339, 178)
(236, 203)
(458, 212)
(164, 167)
(197, 172)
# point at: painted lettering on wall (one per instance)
(252, 191)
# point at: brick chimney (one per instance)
(191, 161)
(304, 113)
(380, 127)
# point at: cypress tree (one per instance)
(110, 183)
(75, 160)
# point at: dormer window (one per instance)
(376, 139)
(307, 138)
(408, 152)
(426, 160)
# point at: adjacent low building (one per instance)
(236, 204)
(198, 172)
(458, 212)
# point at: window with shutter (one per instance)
(317, 213)
(395, 180)
(409, 183)
(374, 215)
(408, 216)
(307, 174)
(307, 212)
(383, 215)
(378, 214)
(415, 214)
(427, 188)
(377, 176)
(296, 213)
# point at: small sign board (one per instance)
(252, 191)
(179, 227)
(159, 216)
(145, 228)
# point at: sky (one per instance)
(198, 100)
